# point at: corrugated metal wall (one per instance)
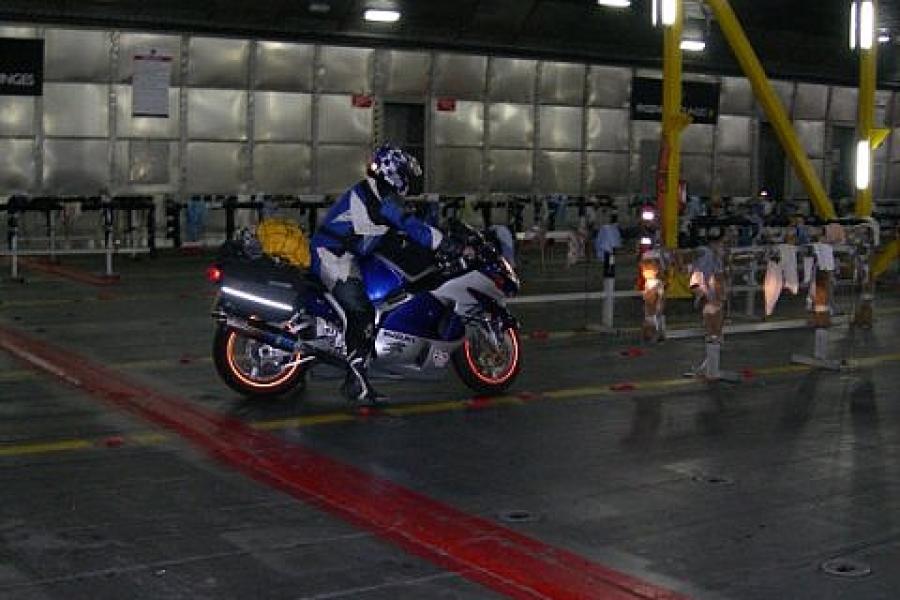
(250, 116)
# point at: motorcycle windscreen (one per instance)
(424, 316)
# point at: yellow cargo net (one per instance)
(284, 238)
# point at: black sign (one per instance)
(700, 100)
(21, 67)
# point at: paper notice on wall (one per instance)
(150, 85)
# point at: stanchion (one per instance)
(821, 321)
(609, 288)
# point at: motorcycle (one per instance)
(275, 323)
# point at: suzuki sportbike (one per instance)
(275, 322)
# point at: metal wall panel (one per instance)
(146, 165)
(406, 73)
(215, 167)
(510, 170)
(895, 144)
(697, 139)
(811, 102)
(559, 172)
(609, 86)
(736, 96)
(141, 43)
(282, 168)
(284, 66)
(76, 55)
(461, 127)
(785, 92)
(812, 136)
(76, 109)
(218, 62)
(340, 121)
(10, 31)
(696, 169)
(346, 70)
(146, 127)
(16, 115)
(282, 116)
(882, 108)
(561, 127)
(75, 166)
(607, 129)
(893, 189)
(733, 135)
(607, 173)
(512, 79)
(795, 187)
(562, 83)
(16, 166)
(459, 75)
(457, 170)
(642, 131)
(512, 125)
(217, 114)
(339, 167)
(733, 176)
(843, 104)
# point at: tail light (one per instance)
(213, 274)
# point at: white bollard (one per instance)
(609, 300)
(821, 346)
(713, 358)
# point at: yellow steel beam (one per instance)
(673, 122)
(868, 63)
(767, 98)
(883, 260)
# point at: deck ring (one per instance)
(713, 479)
(846, 567)
(518, 515)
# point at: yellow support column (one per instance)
(673, 123)
(767, 98)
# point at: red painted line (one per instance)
(69, 272)
(474, 547)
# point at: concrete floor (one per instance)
(711, 491)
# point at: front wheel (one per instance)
(253, 368)
(485, 367)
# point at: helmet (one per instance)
(393, 169)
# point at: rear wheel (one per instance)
(484, 367)
(253, 368)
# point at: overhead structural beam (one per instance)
(768, 99)
(673, 123)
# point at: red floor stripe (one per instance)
(476, 548)
(68, 272)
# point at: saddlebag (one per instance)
(261, 288)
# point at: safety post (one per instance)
(820, 293)
(13, 236)
(108, 236)
(609, 288)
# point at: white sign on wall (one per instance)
(150, 85)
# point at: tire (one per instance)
(228, 344)
(476, 377)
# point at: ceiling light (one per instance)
(382, 16)
(884, 36)
(863, 164)
(614, 3)
(866, 24)
(669, 11)
(693, 45)
(319, 8)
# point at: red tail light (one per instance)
(214, 274)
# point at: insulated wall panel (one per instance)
(76, 55)
(895, 144)
(642, 131)
(339, 167)
(843, 104)
(512, 79)
(284, 66)
(812, 136)
(457, 170)
(76, 109)
(733, 176)
(697, 139)
(282, 116)
(882, 108)
(461, 127)
(346, 70)
(16, 115)
(736, 96)
(341, 122)
(147, 165)
(795, 187)
(562, 83)
(459, 75)
(559, 172)
(75, 166)
(146, 127)
(11, 31)
(893, 189)
(561, 127)
(282, 168)
(406, 73)
(607, 129)
(811, 102)
(696, 169)
(217, 114)
(609, 86)
(510, 170)
(607, 173)
(16, 166)
(215, 167)
(785, 92)
(131, 44)
(218, 62)
(733, 135)
(512, 125)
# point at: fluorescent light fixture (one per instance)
(654, 12)
(645, 241)
(866, 24)
(648, 215)
(863, 164)
(257, 299)
(883, 38)
(854, 9)
(693, 45)
(382, 16)
(669, 11)
(614, 3)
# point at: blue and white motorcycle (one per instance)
(275, 323)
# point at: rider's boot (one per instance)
(357, 387)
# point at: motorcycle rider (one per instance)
(354, 225)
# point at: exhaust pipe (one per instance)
(275, 338)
